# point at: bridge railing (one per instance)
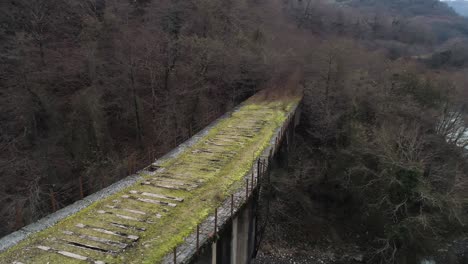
(208, 231)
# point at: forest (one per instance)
(460, 6)
(92, 91)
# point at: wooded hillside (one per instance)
(460, 6)
(92, 90)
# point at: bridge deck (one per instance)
(145, 221)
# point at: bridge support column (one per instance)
(252, 229)
(234, 240)
(214, 251)
(242, 254)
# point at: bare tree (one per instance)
(38, 22)
(452, 125)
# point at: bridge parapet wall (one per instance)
(235, 225)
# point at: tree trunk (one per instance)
(135, 105)
(327, 85)
(41, 52)
(304, 16)
(153, 108)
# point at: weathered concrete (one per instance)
(234, 238)
(214, 251)
(50, 220)
(152, 191)
(236, 245)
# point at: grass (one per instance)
(236, 142)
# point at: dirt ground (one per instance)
(324, 236)
(320, 236)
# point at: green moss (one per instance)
(238, 141)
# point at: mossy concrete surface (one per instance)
(144, 221)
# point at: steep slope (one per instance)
(91, 90)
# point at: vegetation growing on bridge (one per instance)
(216, 164)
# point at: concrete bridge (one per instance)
(197, 204)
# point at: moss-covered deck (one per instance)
(144, 222)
